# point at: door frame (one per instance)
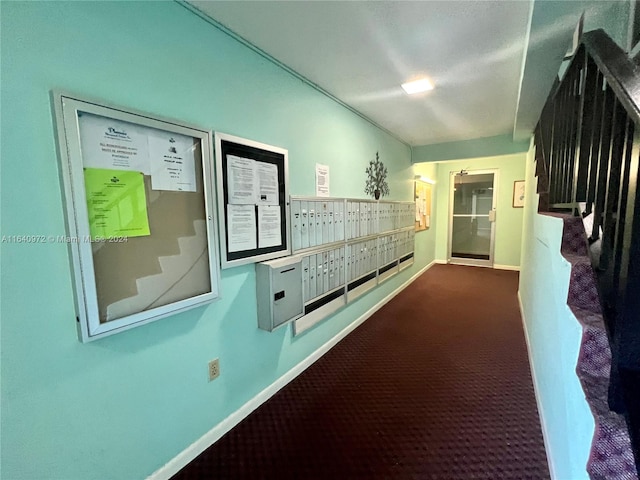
(472, 261)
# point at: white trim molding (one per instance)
(515, 268)
(543, 425)
(196, 448)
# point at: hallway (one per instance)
(435, 385)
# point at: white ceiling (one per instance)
(360, 52)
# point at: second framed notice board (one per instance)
(423, 205)
(253, 190)
(140, 216)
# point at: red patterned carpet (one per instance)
(435, 385)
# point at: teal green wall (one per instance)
(475, 148)
(123, 406)
(554, 337)
(552, 25)
(508, 219)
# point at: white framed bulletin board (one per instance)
(253, 191)
(140, 215)
(422, 195)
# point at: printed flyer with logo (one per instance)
(116, 202)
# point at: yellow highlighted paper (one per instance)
(117, 203)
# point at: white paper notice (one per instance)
(113, 145)
(241, 227)
(322, 180)
(269, 233)
(241, 180)
(172, 161)
(267, 183)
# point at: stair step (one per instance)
(583, 290)
(594, 358)
(562, 215)
(611, 455)
(574, 240)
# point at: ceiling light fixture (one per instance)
(417, 86)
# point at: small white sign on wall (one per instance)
(322, 180)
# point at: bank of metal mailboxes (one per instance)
(279, 291)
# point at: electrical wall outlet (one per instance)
(214, 369)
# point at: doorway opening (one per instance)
(472, 213)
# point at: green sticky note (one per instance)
(117, 203)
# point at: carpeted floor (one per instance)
(435, 385)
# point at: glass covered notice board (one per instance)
(252, 200)
(140, 214)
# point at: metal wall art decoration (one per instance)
(376, 185)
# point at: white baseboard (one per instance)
(196, 448)
(506, 267)
(543, 424)
(495, 265)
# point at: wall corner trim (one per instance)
(200, 445)
(543, 425)
(515, 268)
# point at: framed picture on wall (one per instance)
(518, 194)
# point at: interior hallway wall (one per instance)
(123, 406)
(553, 337)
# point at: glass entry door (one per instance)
(472, 221)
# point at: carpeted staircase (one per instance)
(586, 143)
(611, 456)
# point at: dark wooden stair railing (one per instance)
(588, 163)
